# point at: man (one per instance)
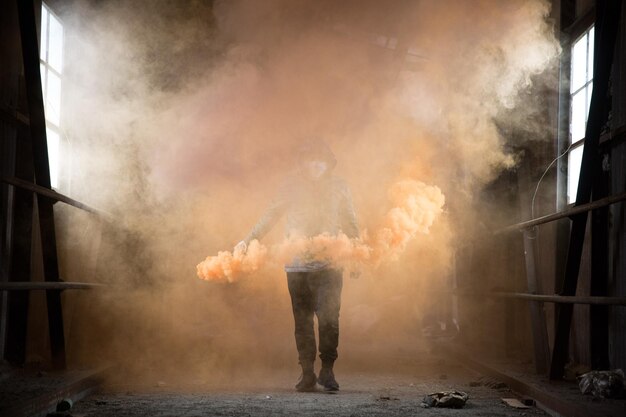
(314, 202)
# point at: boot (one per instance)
(307, 380)
(327, 379)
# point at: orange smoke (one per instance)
(227, 266)
(416, 206)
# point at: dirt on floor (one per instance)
(375, 392)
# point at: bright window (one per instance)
(581, 85)
(51, 60)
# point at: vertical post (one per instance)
(598, 314)
(20, 243)
(607, 22)
(30, 54)
(16, 159)
(537, 313)
(541, 348)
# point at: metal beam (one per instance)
(607, 23)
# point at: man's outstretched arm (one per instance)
(349, 222)
(272, 214)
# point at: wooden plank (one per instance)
(607, 24)
(30, 55)
(46, 192)
(559, 299)
(34, 286)
(576, 210)
(537, 313)
(598, 337)
(20, 255)
(515, 403)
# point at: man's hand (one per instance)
(240, 247)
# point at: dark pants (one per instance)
(316, 293)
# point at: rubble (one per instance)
(515, 403)
(445, 399)
(602, 384)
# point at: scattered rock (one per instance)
(65, 404)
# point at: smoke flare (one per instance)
(416, 207)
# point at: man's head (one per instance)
(315, 159)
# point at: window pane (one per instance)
(43, 50)
(53, 98)
(590, 56)
(42, 71)
(579, 64)
(53, 156)
(589, 89)
(574, 162)
(55, 46)
(578, 115)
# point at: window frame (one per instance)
(588, 32)
(53, 124)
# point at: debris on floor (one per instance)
(65, 405)
(445, 399)
(602, 384)
(515, 403)
(574, 370)
(488, 382)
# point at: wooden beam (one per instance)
(49, 193)
(19, 257)
(583, 208)
(607, 24)
(546, 298)
(34, 286)
(36, 115)
(563, 299)
(538, 324)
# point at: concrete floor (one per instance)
(397, 393)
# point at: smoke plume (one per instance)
(181, 119)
